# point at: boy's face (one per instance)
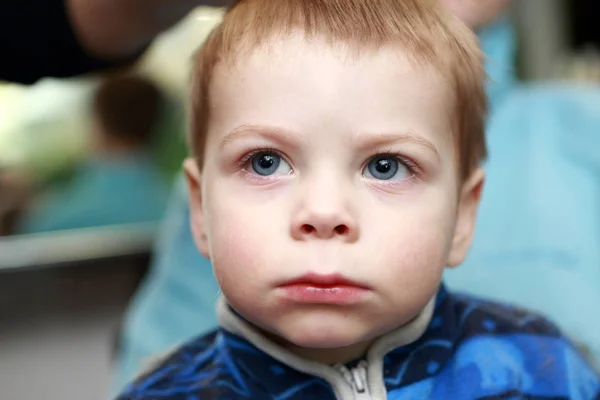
(329, 201)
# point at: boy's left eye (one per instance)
(268, 163)
(385, 167)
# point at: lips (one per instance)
(332, 289)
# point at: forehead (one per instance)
(310, 85)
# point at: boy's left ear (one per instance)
(468, 204)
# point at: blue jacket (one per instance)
(469, 349)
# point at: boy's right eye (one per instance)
(268, 163)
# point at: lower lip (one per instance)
(314, 294)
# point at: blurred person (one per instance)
(327, 236)
(537, 233)
(121, 182)
(535, 242)
(474, 13)
(177, 298)
(65, 38)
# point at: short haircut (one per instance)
(423, 29)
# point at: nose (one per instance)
(325, 214)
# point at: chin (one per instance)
(324, 332)
(318, 340)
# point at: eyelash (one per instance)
(408, 163)
(245, 160)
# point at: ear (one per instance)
(197, 219)
(468, 205)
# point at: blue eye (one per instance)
(385, 168)
(269, 163)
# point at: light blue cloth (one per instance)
(498, 42)
(538, 233)
(176, 301)
(103, 191)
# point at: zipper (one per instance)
(357, 378)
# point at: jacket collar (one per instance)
(399, 358)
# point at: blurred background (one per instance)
(80, 205)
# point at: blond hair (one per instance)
(422, 28)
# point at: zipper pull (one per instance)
(357, 378)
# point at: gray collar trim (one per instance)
(397, 338)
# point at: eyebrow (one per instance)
(362, 140)
(273, 134)
(367, 141)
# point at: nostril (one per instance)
(341, 229)
(307, 229)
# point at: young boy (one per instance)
(337, 146)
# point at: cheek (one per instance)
(416, 256)
(416, 242)
(240, 253)
(413, 274)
